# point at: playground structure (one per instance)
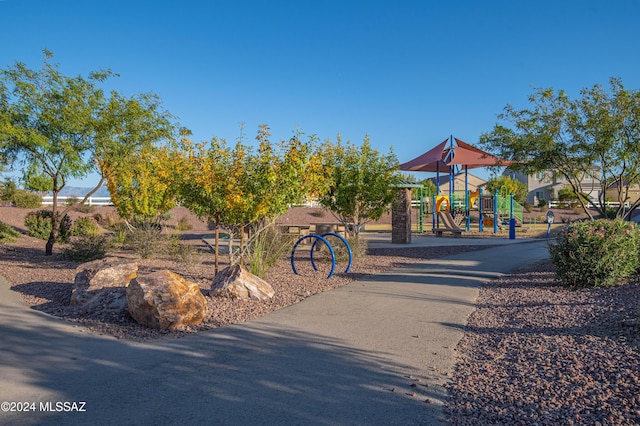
(455, 208)
(455, 212)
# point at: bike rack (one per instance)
(322, 238)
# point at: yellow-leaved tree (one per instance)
(143, 187)
(242, 190)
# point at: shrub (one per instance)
(26, 199)
(38, 225)
(528, 207)
(183, 224)
(7, 233)
(86, 248)
(85, 208)
(266, 249)
(145, 239)
(358, 246)
(112, 221)
(182, 253)
(98, 218)
(70, 201)
(611, 212)
(596, 253)
(119, 234)
(84, 226)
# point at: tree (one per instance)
(239, 188)
(592, 139)
(8, 190)
(509, 186)
(127, 129)
(143, 188)
(361, 183)
(429, 187)
(203, 183)
(567, 195)
(47, 125)
(60, 127)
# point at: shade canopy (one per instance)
(443, 156)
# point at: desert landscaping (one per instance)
(46, 282)
(532, 349)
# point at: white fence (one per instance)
(556, 204)
(91, 201)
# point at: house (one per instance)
(474, 183)
(546, 185)
(630, 191)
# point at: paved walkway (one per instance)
(371, 352)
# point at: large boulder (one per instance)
(166, 301)
(236, 282)
(101, 284)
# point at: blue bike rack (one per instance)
(322, 238)
(346, 244)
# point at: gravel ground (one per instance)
(533, 353)
(46, 282)
(536, 353)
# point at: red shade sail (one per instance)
(442, 157)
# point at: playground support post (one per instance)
(467, 199)
(512, 220)
(480, 215)
(495, 212)
(421, 220)
(511, 207)
(434, 213)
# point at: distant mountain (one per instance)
(80, 192)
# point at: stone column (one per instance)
(401, 218)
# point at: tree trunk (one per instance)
(217, 234)
(55, 226)
(48, 251)
(53, 236)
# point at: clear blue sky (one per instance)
(408, 73)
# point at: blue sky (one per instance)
(407, 73)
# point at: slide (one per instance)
(448, 220)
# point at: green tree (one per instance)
(59, 127)
(361, 182)
(567, 195)
(8, 189)
(593, 140)
(507, 186)
(128, 128)
(429, 187)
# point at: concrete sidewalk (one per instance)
(371, 352)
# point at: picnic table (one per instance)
(324, 227)
(294, 229)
